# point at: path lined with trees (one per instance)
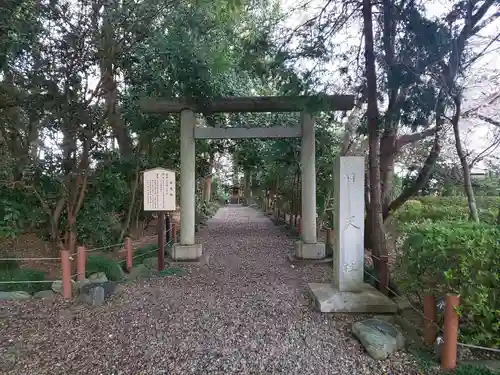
(245, 311)
(73, 140)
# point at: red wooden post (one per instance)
(430, 327)
(161, 241)
(81, 259)
(128, 254)
(384, 275)
(449, 356)
(66, 273)
(168, 226)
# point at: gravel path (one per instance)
(245, 312)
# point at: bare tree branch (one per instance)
(412, 138)
(487, 119)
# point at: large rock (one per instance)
(57, 286)
(44, 294)
(79, 284)
(402, 302)
(14, 296)
(98, 277)
(379, 338)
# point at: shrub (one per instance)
(23, 274)
(458, 257)
(445, 209)
(99, 263)
(8, 264)
(144, 252)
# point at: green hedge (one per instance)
(99, 263)
(446, 209)
(459, 257)
(23, 274)
(141, 253)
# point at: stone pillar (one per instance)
(348, 293)
(308, 247)
(187, 249)
(348, 255)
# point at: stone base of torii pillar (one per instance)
(349, 292)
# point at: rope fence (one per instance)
(104, 247)
(66, 259)
(426, 318)
(28, 259)
(26, 281)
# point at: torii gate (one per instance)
(308, 247)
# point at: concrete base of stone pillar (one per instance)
(186, 252)
(366, 300)
(310, 250)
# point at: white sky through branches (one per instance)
(482, 81)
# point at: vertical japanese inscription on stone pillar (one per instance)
(351, 232)
(349, 252)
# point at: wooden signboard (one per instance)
(159, 190)
(159, 196)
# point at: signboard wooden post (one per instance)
(159, 196)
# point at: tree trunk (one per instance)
(127, 225)
(247, 186)
(471, 199)
(387, 157)
(108, 51)
(207, 188)
(377, 223)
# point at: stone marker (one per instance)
(349, 292)
(379, 338)
(98, 296)
(95, 294)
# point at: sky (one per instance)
(482, 79)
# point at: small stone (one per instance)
(14, 296)
(44, 294)
(98, 277)
(379, 338)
